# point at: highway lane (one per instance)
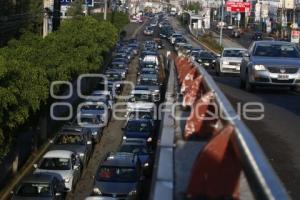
(278, 132)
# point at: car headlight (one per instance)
(118, 85)
(81, 154)
(94, 133)
(146, 164)
(199, 60)
(67, 180)
(96, 191)
(132, 193)
(156, 91)
(259, 67)
(225, 63)
(124, 137)
(213, 61)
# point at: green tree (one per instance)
(193, 6)
(75, 8)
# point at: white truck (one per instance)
(173, 11)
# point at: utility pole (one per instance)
(46, 17)
(105, 10)
(222, 23)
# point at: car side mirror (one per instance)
(35, 166)
(246, 54)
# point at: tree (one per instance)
(75, 8)
(193, 6)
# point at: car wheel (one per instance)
(248, 86)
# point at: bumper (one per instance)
(274, 79)
(230, 68)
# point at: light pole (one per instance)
(222, 23)
(105, 10)
(260, 19)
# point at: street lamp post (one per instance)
(222, 23)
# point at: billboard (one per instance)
(238, 6)
(287, 4)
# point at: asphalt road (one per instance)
(278, 132)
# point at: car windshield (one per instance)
(148, 71)
(146, 81)
(88, 120)
(96, 106)
(233, 53)
(141, 97)
(206, 55)
(34, 190)
(55, 164)
(277, 50)
(117, 174)
(137, 149)
(70, 139)
(136, 126)
(140, 115)
(113, 77)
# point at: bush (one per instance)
(29, 65)
(208, 40)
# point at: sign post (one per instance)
(295, 36)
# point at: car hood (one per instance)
(232, 59)
(69, 147)
(275, 61)
(137, 105)
(115, 187)
(62, 174)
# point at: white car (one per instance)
(65, 164)
(140, 99)
(230, 60)
(103, 96)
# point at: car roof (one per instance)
(234, 48)
(134, 141)
(140, 92)
(273, 42)
(120, 159)
(58, 154)
(38, 178)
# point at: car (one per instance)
(64, 164)
(173, 37)
(257, 36)
(138, 147)
(230, 60)
(271, 63)
(183, 49)
(104, 96)
(140, 99)
(151, 83)
(139, 128)
(236, 33)
(206, 59)
(179, 41)
(77, 140)
(231, 27)
(119, 176)
(40, 186)
(125, 60)
(149, 31)
(96, 108)
(147, 70)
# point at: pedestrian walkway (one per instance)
(227, 43)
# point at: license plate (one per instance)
(206, 64)
(237, 68)
(283, 77)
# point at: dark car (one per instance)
(206, 59)
(119, 176)
(257, 36)
(270, 63)
(138, 128)
(79, 142)
(125, 60)
(159, 43)
(39, 186)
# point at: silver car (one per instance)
(230, 60)
(270, 63)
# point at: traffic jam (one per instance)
(134, 99)
(125, 173)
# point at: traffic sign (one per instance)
(240, 7)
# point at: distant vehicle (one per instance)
(230, 60)
(173, 37)
(206, 59)
(173, 11)
(149, 30)
(236, 33)
(140, 99)
(271, 63)
(64, 164)
(221, 25)
(257, 36)
(40, 186)
(159, 43)
(231, 27)
(119, 176)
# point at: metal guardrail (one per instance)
(263, 181)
